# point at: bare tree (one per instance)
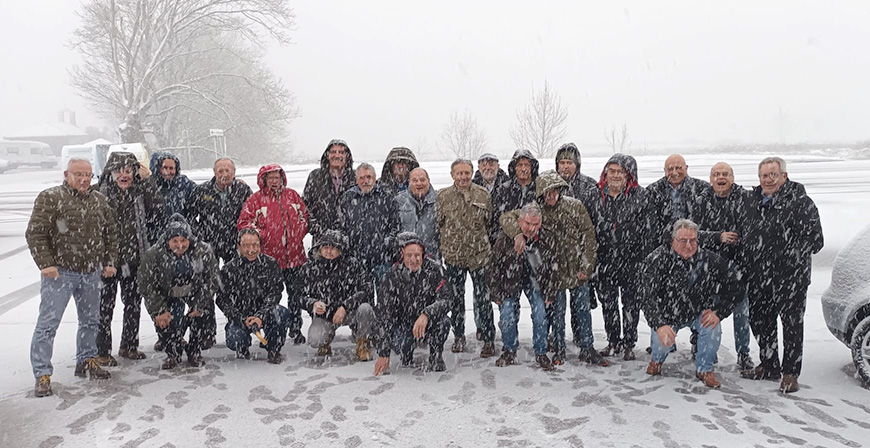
(540, 125)
(618, 141)
(150, 61)
(463, 137)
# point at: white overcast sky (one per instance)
(387, 73)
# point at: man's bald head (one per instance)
(676, 169)
(722, 178)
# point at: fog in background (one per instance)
(382, 74)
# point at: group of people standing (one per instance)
(390, 257)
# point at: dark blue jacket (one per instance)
(176, 191)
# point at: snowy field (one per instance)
(338, 403)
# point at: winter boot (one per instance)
(458, 345)
(91, 368)
(744, 361)
(611, 349)
(709, 379)
(789, 384)
(761, 373)
(628, 354)
(170, 363)
(133, 354)
(43, 386)
(488, 350)
(275, 357)
(106, 360)
(324, 350)
(506, 359)
(590, 356)
(559, 357)
(436, 363)
(299, 339)
(159, 345)
(363, 349)
(544, 362)
(195, 360)
(243, 352)
(654, 368)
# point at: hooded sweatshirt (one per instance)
(321, 196)
(398, 154)
(176, 191)
(139, 210)
(281, 218)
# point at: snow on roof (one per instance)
(99, 141)
(48, 129)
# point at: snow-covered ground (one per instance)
(338, 402)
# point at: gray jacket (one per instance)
(418, 216)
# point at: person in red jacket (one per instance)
(280, 215)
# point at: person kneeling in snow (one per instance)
(413, 304)
(250, 292)
(684, 286)
(179, 272)
(337, 290)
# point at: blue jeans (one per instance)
(54, 296)
(509, 316)
(741, 326)
(581, 317)
(708, 344)
(274, 330)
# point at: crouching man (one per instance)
(414, 305)
(178, 278)
(251, 291)
(337, 290)
(686, 287)
(523, 265)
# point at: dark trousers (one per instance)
(292, 282)
(132, 301)
(619, 333)
(274, 330)
(173, 334)
(402, 337)
(456, 278)
(787, 301)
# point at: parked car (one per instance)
(846, 303)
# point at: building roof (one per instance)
(48, 129)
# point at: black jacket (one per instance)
(213, 216)
(507, 269)
(500, 178)
(620, 227)
(659, 206)
(319, 195)
(249, 288)
(580, 186)
(404, 295)
(397, 154)
(728, 214)
(139, 211)
(784, 234)
(668, 298)
(510, 195)
(342, 282)
(371, 223)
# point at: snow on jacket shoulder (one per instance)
(250, 288)
(320, 195)
(371, 222)
(281, 218)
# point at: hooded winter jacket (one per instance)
(398, 154)
(620, 227)
(675, 291)
(418, 216)
(500, 178)
(511, 195)
(570, 226)
(249, 288)
(214, 214)
(74, 231)
(405, 295)
(342, 282)
(507, 269)
(784, 234)
(660, 208)
(176, 191)
(581, 186)
(281, 218)
(139, 211)
(321, 197)
(463, 218)
(371, 223)
(157, 274)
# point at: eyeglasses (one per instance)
(81, 175)
(676, 168)
(686, 241)
(771, 176)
